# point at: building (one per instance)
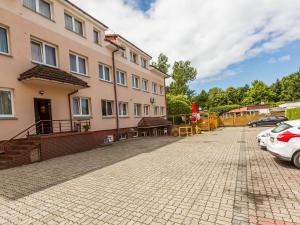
(249, 110)
(289, 105)
(61, 73)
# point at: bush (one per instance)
(178, 105)
(224, 108)
(293, 114)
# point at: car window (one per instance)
(281, 127)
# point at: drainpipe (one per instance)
(70, 107)
(115, 91)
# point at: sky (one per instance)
(230, 43)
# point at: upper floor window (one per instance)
(6, 103)
(137, 110)
(135, 81)
(144, 63)
(121, 78)
(123, 52)
(78, 64)
(4, 40)
(44, 53)
(81, 106)
(107, 107)
(40, 6)
(154, 88)
(104, 72)
(133, 57)
(145, 85)
(146, 110)
(123, 108)
(161, 90)
(97, 37)
(73, 24)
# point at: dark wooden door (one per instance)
(43, 113)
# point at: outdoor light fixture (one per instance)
(41, 92)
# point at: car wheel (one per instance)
(296, 159)
(254, 125)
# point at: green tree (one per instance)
(259, 92)
(182, 74)
(216, 97)
(276, 88)
(178, 105)
(232, 95)
(241, 93)
(290, 87)
(162, 63)
(201, 99)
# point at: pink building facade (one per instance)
(57, 64)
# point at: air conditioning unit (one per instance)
(152, 100)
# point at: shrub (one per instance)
(293, 114)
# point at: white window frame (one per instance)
(77, 64)
(118, 72)
(123, 52)
(162, 111)
(112, 108)
(37, 10)
(144, 63)
(43, 45)
(8, 40)
(127, 113)
(146, 114)
(135, 110)
(154, 85)
(80, 108)
(132, 58)
(135, 81)
(156, 111)
(103, 69)
(73, 24)
(145, 87)
(12, 103)
(99, 34)
(161, 90)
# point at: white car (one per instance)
(262, 137)
(284, 142)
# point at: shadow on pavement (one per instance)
(22, 181)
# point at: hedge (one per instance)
(293, 114)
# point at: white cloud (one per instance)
(284, 58)
(213, 34)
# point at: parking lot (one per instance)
(220, 177)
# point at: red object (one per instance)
(286, 136)
(194, 107)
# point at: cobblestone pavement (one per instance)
(221, 177)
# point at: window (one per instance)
(4, 40)
(123, 52)
(154, 88)
(6, 103)
(107, 108)
(73, 24)
(97, 37)
(161, 90)
(156, 111)
(123, 109)
(162, 111)
(104, 72)
(144, 63)
(43, 53)
(144, 85)
(146, 110)
(133, 57)
(77, 64)
(137, 110)
(81, 106)
(40, 6)
(135, 81)
(121, 78)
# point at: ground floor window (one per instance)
(107, 108)
(137, 110)
(6, 103)
(81, 106)
(123, 109)
(162, 111)
(146, 110)
(156, 111)
(123, 136)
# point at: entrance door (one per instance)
(43, 113)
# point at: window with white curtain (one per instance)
(81, 106)
(123, 109)
(137, 110)
(44, 53)
(135, 82)
(78, 64)
(162, 111)
(156, 110)
(40, 6)
(6, 103)
(4, 40)
(121, 78)
(146, 110)
(154, 88)
(73, 24)
(145, 85)
(104, 73)
(97, 37)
